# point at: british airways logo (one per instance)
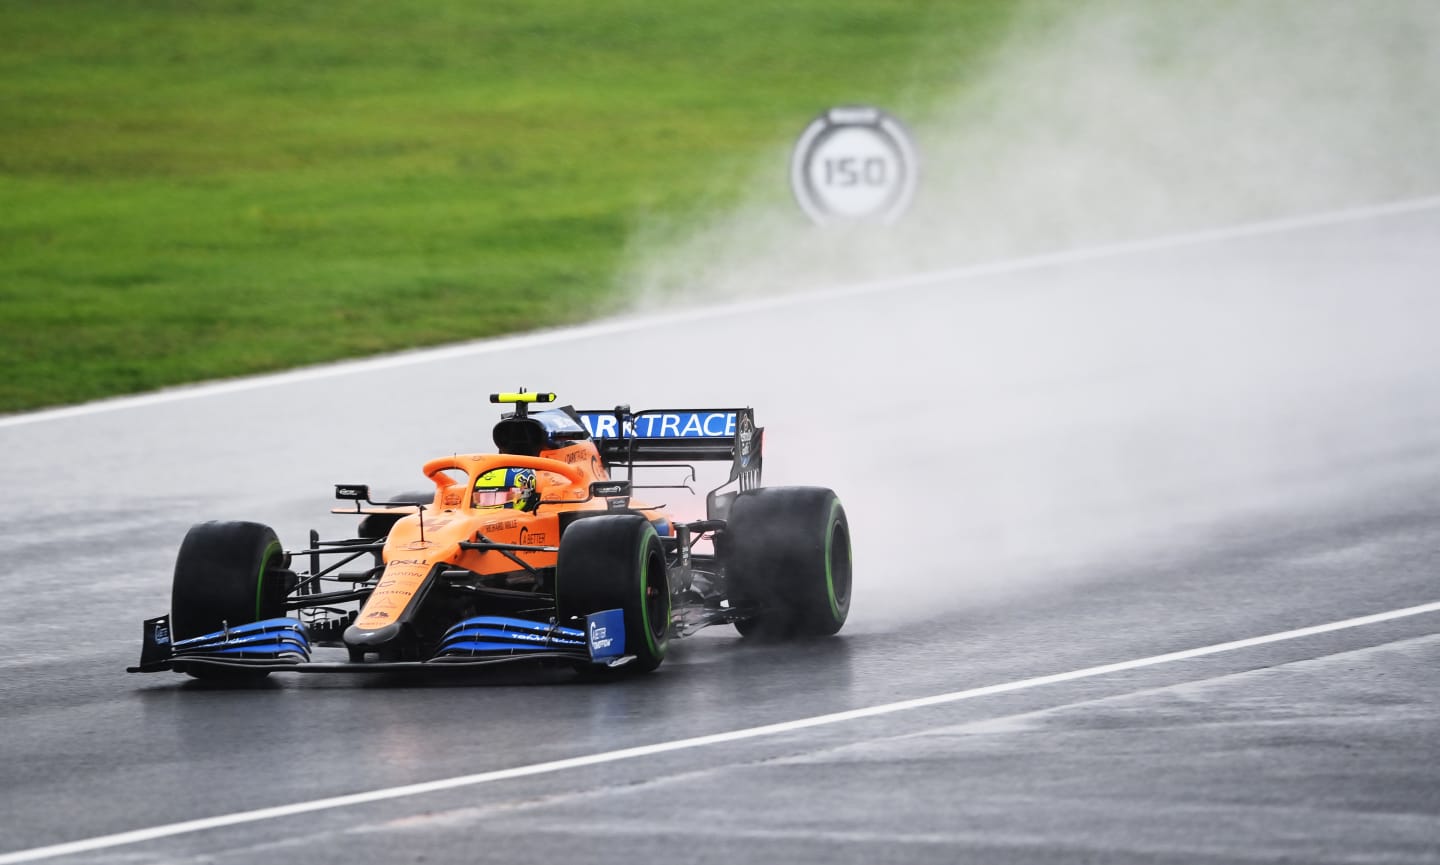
(662, 425)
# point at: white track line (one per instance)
(625, 325)
(189, 826)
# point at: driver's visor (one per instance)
(491, 498)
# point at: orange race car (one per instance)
(538, 551)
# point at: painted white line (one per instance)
(783, 299)
(189, 826)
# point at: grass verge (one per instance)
(192, 190)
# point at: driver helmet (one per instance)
(503, 487)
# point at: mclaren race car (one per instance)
(538, 551)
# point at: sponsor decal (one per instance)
(397, 586)
(609, 489)
(418, 545)
(663, 425)
(453, 498)
(162, 633)
(605, 634)
(746, 436)
(438, 524)
(499, 526)
(601, 426)
(529, 537)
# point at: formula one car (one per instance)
(539, 551)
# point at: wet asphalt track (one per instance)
(1047, 469)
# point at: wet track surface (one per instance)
(1046, 470)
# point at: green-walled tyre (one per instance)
(226, 574)
(787, 561)
(616, 562)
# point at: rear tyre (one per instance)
(787, 558)
(227, 573)
(376, 527)
(613, 562)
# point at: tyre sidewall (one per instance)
(226, 573)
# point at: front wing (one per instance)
(283, 644)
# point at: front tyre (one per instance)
(226, 574)
(616, 561)
(788, 562)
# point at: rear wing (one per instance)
(625, 438)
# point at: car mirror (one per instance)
(609, 489)
(352, 492)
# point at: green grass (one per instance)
(191, 190)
